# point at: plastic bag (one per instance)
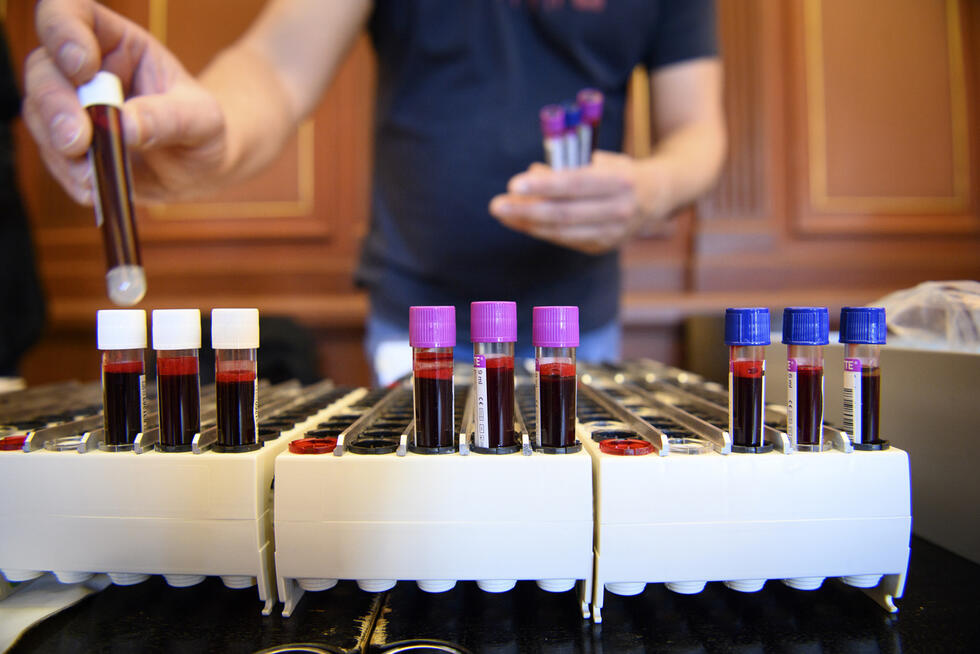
(936, 314)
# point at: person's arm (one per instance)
(599, 207)
(186, 134)
(275, 75)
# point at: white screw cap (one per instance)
(121, 329)
(104, 88)
(234, 329)
(176, 329)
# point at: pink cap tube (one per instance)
(555, 327)
(590, 100)
(493, 322)
(432, 326)
(552, 120)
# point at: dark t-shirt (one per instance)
(460, 83)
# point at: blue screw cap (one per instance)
(863, 325)
(806, 326)
(573, 115)
(749, 326)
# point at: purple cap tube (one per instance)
(555, 326)
(552, 120)
(590, 100)
(432, 326)
(493, 322)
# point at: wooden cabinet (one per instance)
(853, 162)
(853, 169)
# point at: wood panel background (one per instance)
(853, 170)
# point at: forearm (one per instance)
(683, 166)
(274, 76)
(258, 117)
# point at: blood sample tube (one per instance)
(553, 131)
(121, 335)
(554, 335)
(432, 335)
(805, 331)
(863, 331)
(493, 328)
(747, 334)
(590, 100)
(113, 197)
(573, 120)
(235, 339)
(177, 339)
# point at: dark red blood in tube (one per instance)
(500, 401)
(747, 403)
(235, 399)
(114, 201)
(557, 392)
(434, 399)
(122, 400)
(178, 400)
(809, 411)
(870, 398)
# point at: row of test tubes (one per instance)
(571, 130)
(805, 333)
(555, 336)
(121, 336)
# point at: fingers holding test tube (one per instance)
(165, 106)
(592, 209)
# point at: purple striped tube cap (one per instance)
(552, 120)
(432, 326)
(493, 322)
(590, 100)
(554, 327)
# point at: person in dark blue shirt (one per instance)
(460, 211)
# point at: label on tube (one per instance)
(852, 399)
(481, 435)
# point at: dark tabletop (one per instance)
(939, 613)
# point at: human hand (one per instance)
(173, 126)
(593, 209)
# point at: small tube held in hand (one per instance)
(573, 121)
(553, 132)
(102, 98)
(590, 101)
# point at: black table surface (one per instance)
(939, 613)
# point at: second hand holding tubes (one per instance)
(571, 131)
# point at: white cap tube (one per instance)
(121, 329)
(104, 88)
(177, 329)
(234, 329)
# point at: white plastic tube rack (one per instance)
(433, 519)
(744, 519)
(182, 515)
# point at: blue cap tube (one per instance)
(805, 331)
(747, 334)
(863, 331)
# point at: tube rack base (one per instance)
(433, 519)
(744, 519)
(181, 515)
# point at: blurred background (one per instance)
(853, 170)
